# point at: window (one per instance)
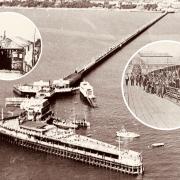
(14, 54)
(20, 56)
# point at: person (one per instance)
(160, 89)
(144, 82)
(176, 82)
(132, 79)
(148, 85)
(140, 80)
(163, 90)
(137, 79)
(153, 87)
(126, 79)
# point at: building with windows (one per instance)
(18, 54)
(150, 61)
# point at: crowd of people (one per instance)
(157, 82)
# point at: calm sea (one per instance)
(72, 38)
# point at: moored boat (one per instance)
(72, 122)
(64, 124)
(44, 89)
(158, 144)
(87, 91)
(82, 123)
(62, 86)
(125, 134)
(30, 89)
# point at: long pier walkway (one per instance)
(151, 109)
(81, 72)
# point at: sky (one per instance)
(16, 24)
(170, 47)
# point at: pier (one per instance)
(76, 148)
(76, 154)
(71, 81)
(75, 77)
(151, 109)
(155, 101)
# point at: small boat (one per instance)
(158, 144)
(125, 134)
(82, 123)
(64, 124)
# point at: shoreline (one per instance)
(91, 9)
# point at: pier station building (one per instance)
(149, 61)
(18, 54)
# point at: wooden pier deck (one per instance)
(152, 110)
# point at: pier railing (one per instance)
(76, 154)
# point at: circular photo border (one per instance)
(122, 85)
(41, 40)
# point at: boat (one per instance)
(63, 86)
(81, 123)
(30, 89)
(44, 89)
(87, 91)
(72, 122)
(45, 92)
(125, 134)
(89, 135)
(65, 124)
(158, 144)
(32, 133)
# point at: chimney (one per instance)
(4, 37)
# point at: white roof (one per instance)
(41, 83)
(32, 103)
(85, 85)
(15, 42)
(60, 82)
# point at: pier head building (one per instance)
(18, 54)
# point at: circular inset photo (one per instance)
(151, 85)
(20, 45)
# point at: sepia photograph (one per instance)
(20, 45)
(63, 65)
(151, 85)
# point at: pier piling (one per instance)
(69, 153)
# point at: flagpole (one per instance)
(2, 115)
